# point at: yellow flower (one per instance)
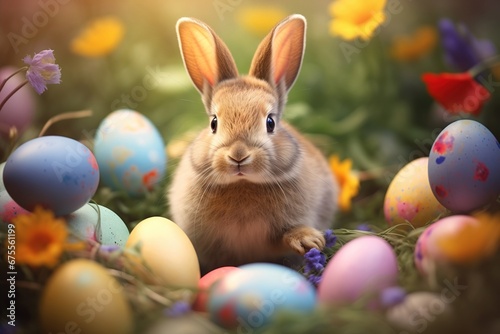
(260, 19)
(415, 46)
(41, 238)
(99, 38)
(356, 18)
(473, 241)
(348, 181)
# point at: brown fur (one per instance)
(285, 191)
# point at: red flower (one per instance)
(456, 92)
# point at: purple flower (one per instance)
(314, 279)
(462, 49)
(42, 70)
(330, 238)
(314, 261)
(392, 296)
(178, 309)
(364, 227)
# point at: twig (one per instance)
(64, 116)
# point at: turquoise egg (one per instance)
(84, 225)
(130, 152)
(249, 299)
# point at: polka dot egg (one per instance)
(464, 166)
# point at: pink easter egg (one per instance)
(361, 268)
(19, 110)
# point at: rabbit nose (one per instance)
(238, 154)
(238, 160)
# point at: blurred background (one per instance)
(358, 100)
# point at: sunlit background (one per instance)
(360, 98)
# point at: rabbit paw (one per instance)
(303, 238)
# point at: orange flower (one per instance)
(41, 238)
(260, 19)
(474, 241)
(413, 47)
(99, 38)
(348, 181)
(356, 18)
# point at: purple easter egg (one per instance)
(464, 166)
(57, 173)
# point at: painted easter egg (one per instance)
(362, 268)
(204, 285)
(130, 152)
(57, 173)
(9, 208)
(464, 166)
(98, 223)
(428, 253)
(81, 297)
(409, 197)
(249, 298)
(167, 252)
(18, 112)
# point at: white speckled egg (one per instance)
(98, 223)
(130, 152)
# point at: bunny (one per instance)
(250, 187)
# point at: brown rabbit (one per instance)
(249, 188)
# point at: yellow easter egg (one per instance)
(409, 197)
(166, 250)
(81, 297)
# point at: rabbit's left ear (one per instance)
(279, 56)
(206, 57)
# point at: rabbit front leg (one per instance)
(302, 238)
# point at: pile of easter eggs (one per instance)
(460, 176)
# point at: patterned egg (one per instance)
(428, 253)
(464, 166)
(362, 268)
(130, 152)
(58, 173)
(8, 208)
(249, 298)
(204, 285)
(81, 297)
(98, 223)
(409, 197)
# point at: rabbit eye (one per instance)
(213, 124)
(270, 124)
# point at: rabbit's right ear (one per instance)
(206, 58)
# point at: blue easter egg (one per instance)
(98, 223)
(249, 298)
(130, 152)
(464, 166)
(57, 173)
